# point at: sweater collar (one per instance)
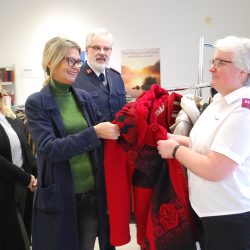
(59, 87)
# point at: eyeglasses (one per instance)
(99, 48)
(73, 62)
(218, 62)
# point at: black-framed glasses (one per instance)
(99, 48)
(73, 62)
(218, 62)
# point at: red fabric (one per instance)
(171, 214)
(118, 179)
(142, 200)
(174, 107)
(180, 189)
(134, 159)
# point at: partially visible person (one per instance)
(67, 128)
(17, 180)
(217, 152)
(104, 84)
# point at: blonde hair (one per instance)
(54, 52)
(4, 108)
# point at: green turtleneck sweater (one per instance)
(74, 122)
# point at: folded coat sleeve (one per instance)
(118, 186)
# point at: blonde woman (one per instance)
(67, 128)
(17, 170)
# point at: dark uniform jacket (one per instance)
(110, 99)
(54, 212)
(10, 234)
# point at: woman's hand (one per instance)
(166, 147)
(181, 139)
(33, 183)
(107, 130)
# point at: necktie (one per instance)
(102, 78)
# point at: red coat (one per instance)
(162, 211)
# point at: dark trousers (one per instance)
(227, 232)
(87, 221)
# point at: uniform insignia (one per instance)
(89, 71)
(245, 103)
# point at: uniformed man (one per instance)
(104, 84)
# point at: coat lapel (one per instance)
(94, 79)
(50, 104)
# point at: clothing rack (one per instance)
(200, 86)
(202, 45)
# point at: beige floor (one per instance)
(132, 245)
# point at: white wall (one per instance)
(173, 26)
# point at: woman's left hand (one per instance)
(33, 183)
(107, 130)
(165, 148)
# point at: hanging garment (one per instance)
(163, 214)
(188, 115)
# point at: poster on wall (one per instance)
(140, 69)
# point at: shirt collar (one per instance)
(233, 96)
(96, 72)
(237, 94)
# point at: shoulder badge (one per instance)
(245, 103)
(89, 71)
